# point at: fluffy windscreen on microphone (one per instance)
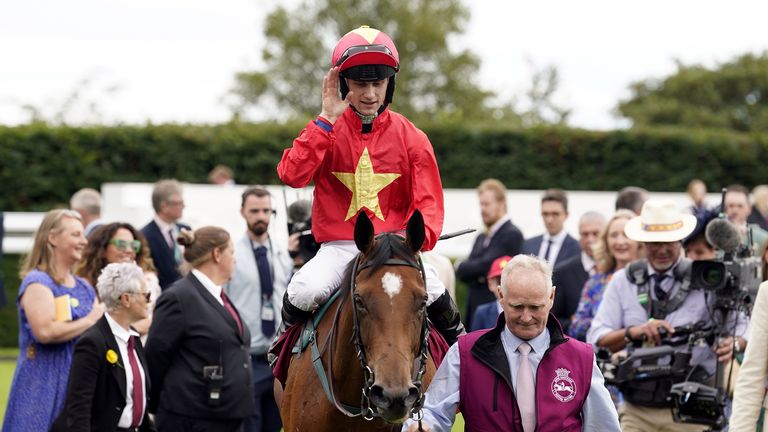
(723, 235)
(299, 211)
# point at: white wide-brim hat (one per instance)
(660, 221)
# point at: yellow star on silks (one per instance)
(365, 186)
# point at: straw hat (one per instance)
(660, 221)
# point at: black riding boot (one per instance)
(446, 318)
(290, 315)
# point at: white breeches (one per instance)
(319, 277)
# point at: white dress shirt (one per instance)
(588, 263)
(557, 243)
(121, 336)
(165, 228)
(494, 229)
(211, 287)
(442, 397)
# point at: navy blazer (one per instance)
(486, 316)
(190, 331)
(508, 240)
(569, 279)
(162, 255)
(569, 248)
(96, 390)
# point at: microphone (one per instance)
(723, 235)
(299, 211)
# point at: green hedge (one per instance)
(41, 166)
(9, 320)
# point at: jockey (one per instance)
(363, 157)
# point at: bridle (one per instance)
(366, 411)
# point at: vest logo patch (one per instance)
(563, 387)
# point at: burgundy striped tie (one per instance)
(138, 387)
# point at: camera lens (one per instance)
(712, 276)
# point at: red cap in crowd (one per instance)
(498, 265)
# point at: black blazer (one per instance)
(569, 248)
(569, 279)
(191, 330)
(162, 255)
(508, 240)
(96, 389)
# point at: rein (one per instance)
(365, 410)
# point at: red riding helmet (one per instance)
(366, 54)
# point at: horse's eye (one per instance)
(359, 302)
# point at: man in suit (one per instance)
(555, 246)
(109, 380)
(570, 276)
(262, 272)
(162, 231)
(500, 238)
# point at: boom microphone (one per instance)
(299, 211)
(723, 235)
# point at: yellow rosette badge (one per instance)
(111, 356)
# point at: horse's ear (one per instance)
(363, 232)
(414, 231)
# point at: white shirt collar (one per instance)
(557, 238)
(496, 225)
(212, 288)
(538, 344)
(118, 330)
(587, 262)
(163, 225)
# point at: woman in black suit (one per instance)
(108, 380)
(198, 348)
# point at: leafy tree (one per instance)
(732, 95)
(434, 83)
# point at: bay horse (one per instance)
(371, 345)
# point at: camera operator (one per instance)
(302, 246)
(650, 297)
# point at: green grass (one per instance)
(458, 425)
(6, 376)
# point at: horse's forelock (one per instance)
(385, 247)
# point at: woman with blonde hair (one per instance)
(55, 307)
(612, 251)
(198, 350)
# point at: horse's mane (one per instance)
(387, 245)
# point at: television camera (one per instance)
(730, 283)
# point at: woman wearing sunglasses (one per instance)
(120, 242)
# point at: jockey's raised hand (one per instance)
(333, 106)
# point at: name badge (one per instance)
(267, 312)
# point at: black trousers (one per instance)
(267, 416)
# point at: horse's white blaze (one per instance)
(392, 284)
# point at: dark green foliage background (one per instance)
(41, 166)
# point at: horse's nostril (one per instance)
(413, 395)
(378, 397)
